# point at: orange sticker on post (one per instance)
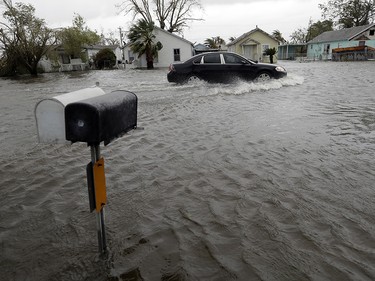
(99, 184)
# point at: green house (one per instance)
(322, 46)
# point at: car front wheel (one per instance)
(263, 77)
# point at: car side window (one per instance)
(212, 58)
(230, 58)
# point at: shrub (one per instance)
(105, 59)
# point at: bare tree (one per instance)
(137, 8)
(109, 39)
(298, 36)
(172, 15)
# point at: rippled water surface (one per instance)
(271, 181)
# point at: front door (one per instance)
(248, 52)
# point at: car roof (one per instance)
(219, 52)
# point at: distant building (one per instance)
(59, 61)
(201, 48)
(253, 44)
(175, 49)
(322, 46)
(92, 50)
(291, 51)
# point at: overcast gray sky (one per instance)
(224, 18)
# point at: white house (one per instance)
(63, 62)
(174, 49)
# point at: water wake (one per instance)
(243, 87)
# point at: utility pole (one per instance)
(122, 46)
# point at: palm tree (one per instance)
(278, 36)
(214, 42)
(142, 41)
(270, 52)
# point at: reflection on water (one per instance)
(226, 182)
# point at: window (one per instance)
(372, 32)
(230, 58)
(65, 59)
(212, 58)
(326, 48)
(176, 55)
(265, 47)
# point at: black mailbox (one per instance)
(101, 118)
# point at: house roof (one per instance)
(257, 29)
(346, 34)
(174, 35)
(171, 34)
(201, 46)
(293, 44)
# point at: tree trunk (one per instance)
(34, 71)
(271, 58)
(150, 64)
(150, 60)
(31, 66)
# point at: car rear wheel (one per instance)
(263, 77)
(193, 79)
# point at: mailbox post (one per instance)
(100, 222)
(93, 117)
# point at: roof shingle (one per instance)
(340, 35)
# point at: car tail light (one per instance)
(171, 67)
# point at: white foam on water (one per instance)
(244, 87)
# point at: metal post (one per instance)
(100, 225)
(122, 46)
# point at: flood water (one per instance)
(272, 181)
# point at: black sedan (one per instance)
(222, 67)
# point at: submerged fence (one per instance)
(341, 56)
(354, 56)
